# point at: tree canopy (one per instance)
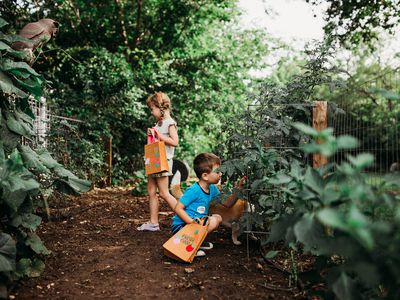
(116, 52)
(352, 22)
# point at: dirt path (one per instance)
(98, 254)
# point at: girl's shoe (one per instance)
(149, 227)
(206, 246)
(200, 253)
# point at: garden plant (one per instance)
(27, 176)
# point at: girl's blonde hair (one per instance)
(160, 100)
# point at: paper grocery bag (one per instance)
(184, 244)
(155, 156)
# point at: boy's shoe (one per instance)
(206, 246)
(200, 253)
(149, 227)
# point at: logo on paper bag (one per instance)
(187, 240)
(154, 158)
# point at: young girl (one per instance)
(165, 130)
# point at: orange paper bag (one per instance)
(155, 156)
(183, 245)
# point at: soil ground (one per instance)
(97, 253)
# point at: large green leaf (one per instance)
(3, 22)
(16, 189)
(8, 253)
(2, 155)
(368, 272)
(332, 217)
(280, 227)
(33, 86)
(345, 288)
(27, 220)
(347, 142)
(26, 121)
(4, 46)
(17, 125)
(30, 268)
(9, 65)
(46, 159)
(305, 129)
(280, 179)
(32, 160)
(36, 244)
(310, 233)
(16, 182)
(10, 139)
(362, 160)
(15, 53)
(314, 180)
(72, 181)
(8, 87)
(356, 219)
(330, 195)
(271, 254)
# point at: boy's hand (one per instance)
(241, 182)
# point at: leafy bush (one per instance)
(334, 213)
(337, 213)
(85, 158)
(26, 176)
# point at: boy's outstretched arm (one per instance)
(231, 200)
(180, 211)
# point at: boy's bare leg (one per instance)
(162, 184)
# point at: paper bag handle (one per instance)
(202, 221)
(151, 138)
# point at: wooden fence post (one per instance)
(320, 111)
(109, 160)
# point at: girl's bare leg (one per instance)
(153, 199)
(162, 184)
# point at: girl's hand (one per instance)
(157, 134)
(148, 131)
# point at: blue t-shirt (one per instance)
(196, 202)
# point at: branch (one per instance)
(77, 13)
(138, 23)
(121, 16)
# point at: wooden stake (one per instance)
(320, 111)
(109, 160)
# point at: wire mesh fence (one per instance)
(268, 128)
(374, 121)
(374, 124)
(41, 123)
(63, 138)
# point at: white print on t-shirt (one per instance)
(201, 209)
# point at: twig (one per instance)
(300, 283)
(276, 288)
(67, 212)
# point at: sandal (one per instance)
(206, 246)
(149, 227)
(200, 253)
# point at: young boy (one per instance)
(195, 202)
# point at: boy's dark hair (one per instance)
(204, 162)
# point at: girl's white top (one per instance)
(164, 129)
